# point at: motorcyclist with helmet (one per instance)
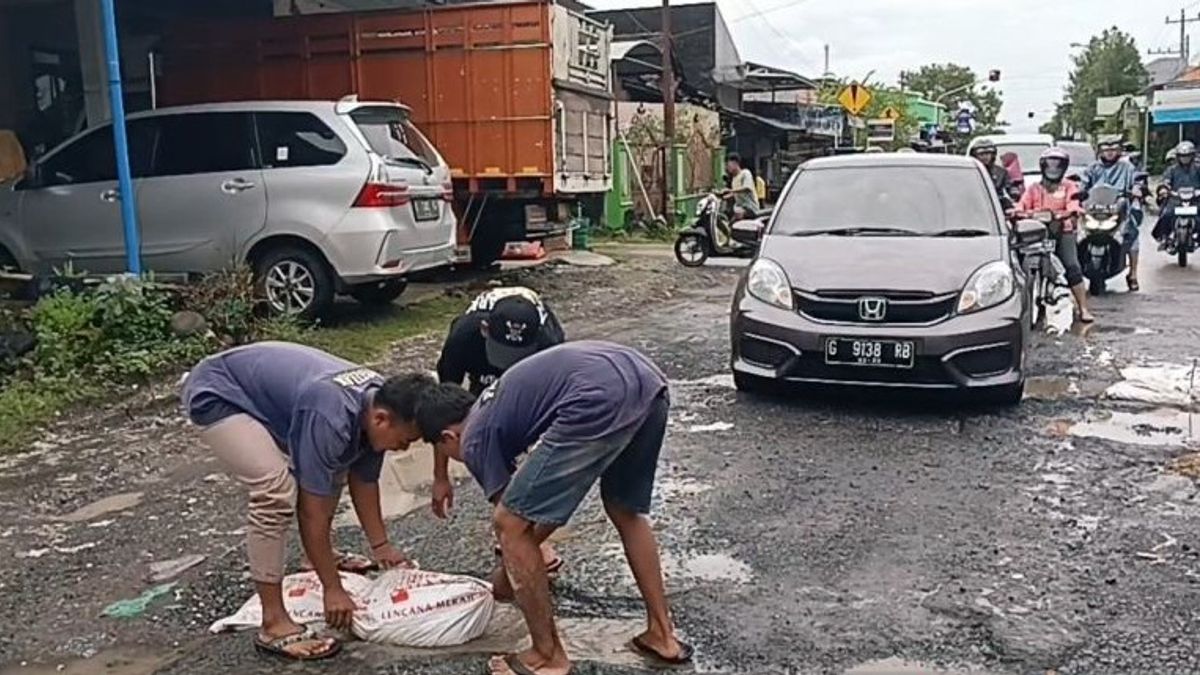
(1059, 195)
(1113, 170)
(1184, 173)
(984, 151)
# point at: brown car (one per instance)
(890, 270)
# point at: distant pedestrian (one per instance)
(293, 423)
(592, 412)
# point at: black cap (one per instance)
(514, 327)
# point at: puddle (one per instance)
(898, 666)
(121, 502)
(1050, 388)
(707, 567)
(718, 380)
(1163, 427)
(1162, 384)
(403, 484)
(116, 662)
(585, 639)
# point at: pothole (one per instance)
(1162, 427)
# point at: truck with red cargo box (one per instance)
(515, 95)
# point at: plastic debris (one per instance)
(169, 569)
(715, 426)
(135, 607)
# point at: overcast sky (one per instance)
(1028, 40)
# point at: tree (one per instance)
(953, 85)
(1109, 66)
(882, 98)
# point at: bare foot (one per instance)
(549, 555)
(529, 662)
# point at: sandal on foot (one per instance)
(518, 667)
(279, 646)
(646, 651)
(1134, 287)
(350, 563)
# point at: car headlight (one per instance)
(768, 282)
(989, 286)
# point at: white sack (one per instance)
(415, 608)
(303, 597)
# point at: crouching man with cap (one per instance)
(591, 412)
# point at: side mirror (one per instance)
(747, 231)
(1030, 232)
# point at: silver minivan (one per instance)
(319, 197)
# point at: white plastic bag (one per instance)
(304, 598)
(414, 608)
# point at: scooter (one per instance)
(1044, 273)
(712, 234)
(1102, 245)
(1185, 236)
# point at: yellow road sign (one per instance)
(891, 113)
(855, 98)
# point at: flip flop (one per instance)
(278, 646)
(514, 664)
(646, 651)
(350, 563)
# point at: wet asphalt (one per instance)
(814, 533)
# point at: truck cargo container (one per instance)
(516, 96)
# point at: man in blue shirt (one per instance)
(591, 411)
(1113, 170)
(292, 423)
(1184, 173)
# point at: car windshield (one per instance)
(1081, 154)
(1027, 153)
(887, 200)
(392, 136)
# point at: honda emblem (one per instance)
(872, 309)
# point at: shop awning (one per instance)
(1176, 105)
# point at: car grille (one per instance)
(901, 308)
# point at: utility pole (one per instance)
(1183, 21)
(824, 74)
(668, 92)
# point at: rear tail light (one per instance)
(382, 195)
(448, 191)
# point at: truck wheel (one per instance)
(379, 293)
(294, 281)
(487, 246)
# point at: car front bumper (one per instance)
(975, 351)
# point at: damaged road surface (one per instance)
(815, 534)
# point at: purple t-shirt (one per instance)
(575, 392)
(311, 402)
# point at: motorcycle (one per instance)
(1044, 272)
(711, 234)
(1185, 236)
(1102, 236)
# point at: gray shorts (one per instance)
(556, 476)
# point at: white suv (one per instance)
(320, 197)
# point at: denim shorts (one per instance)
(556, 476)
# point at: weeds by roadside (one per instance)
(91, 344)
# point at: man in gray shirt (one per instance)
(292, 423)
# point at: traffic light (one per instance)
(993, 76)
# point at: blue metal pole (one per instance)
(133, 245)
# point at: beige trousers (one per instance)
(250, 455)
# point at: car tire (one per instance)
(1007, 396)
(750, 384)
(487, 246)
(294, 281)
(380, 293)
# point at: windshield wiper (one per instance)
(962, 233)
(856, 231)
(412, 161)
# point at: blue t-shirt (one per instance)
(575, 392)
(311, 402)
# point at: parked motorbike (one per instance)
(1044, 272)
(1185, 236)
(712, 235)
(1102, 245)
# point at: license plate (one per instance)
(427, 209)
(877, 353)
(1186, 210)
